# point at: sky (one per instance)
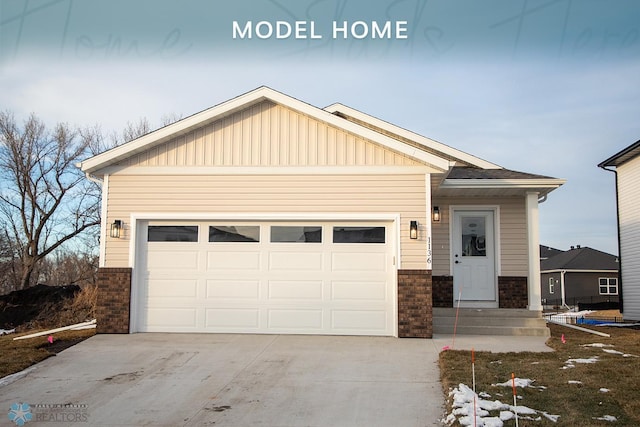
(550, 87)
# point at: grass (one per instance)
(18, 355)
(577, 404)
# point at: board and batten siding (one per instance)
(268, 134)
(512, 233)
(268, 194)
(629, 213)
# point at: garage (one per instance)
(301, 277)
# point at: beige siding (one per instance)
(269, 134)
(513, 234)
(629, 211)
(239, 194)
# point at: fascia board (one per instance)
(428, 142)
(162, 135)
(569, 270)
(502, 183)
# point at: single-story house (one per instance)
(265, 214)
(579, 275)
(626, 166)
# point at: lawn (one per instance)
(580, 395)
(18, 355)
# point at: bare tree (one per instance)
(45, 200)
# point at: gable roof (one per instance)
(622, 156)
(231, 106)
(584, 258)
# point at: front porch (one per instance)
(493, 321)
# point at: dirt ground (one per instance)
(43, 306)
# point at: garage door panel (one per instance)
(295, 289)
(160, 260)
(172, 288)
(222, 260)
(237, 289)
(359, 261)
(358, 290)
(220, 318)
(318, 287)
(294, 319)
(375, 320)
(295, 261)
(171, 317)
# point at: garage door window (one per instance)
(172, 233)
(234, 233)
(296, 234)
(358, 234)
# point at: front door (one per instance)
(474, 277)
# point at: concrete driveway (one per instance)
(234, 380)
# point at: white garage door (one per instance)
(297, 278)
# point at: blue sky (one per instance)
(542, 86)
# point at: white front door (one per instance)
(473, 257)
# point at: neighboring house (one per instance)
(579, 275)
(547, 252)
(627, 172)
(265, 214)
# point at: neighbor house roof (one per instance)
(622, 156)
(547, 252)
(583, 259)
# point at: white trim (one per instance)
(428, 226)
(576, 271)
(164, 134)
(502, 183)
(533, 248)
(103, 221)
(269, 170)
(136, 242)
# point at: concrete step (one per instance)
(473, 321)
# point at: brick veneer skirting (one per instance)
(513, 292)
(442, 291)
(114, 300)
(415, 313)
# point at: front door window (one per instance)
(474, 236)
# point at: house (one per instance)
(626, 166)
(265, 214)
(580, 275)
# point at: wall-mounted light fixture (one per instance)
(435, 215)
(116, 227)
(413, 230)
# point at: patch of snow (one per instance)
(464, 399)
(610, 351)
(574, 382)
(629, 355)
(7, 331)
(619, 325)
(520, 382)
(597, 344)
(604, 390)
(496, 362)
(570, 363)
(535, 363)
(610, 418)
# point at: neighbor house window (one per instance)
(608, 286)
(172, 233)
(296, 234)
(552, 285)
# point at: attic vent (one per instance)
(578, 246)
